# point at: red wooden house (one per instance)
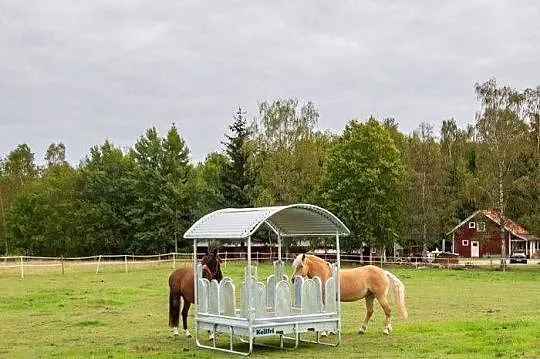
(478, 235)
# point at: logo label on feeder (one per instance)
(265, 331)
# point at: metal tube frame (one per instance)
(250, 311)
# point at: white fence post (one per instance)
(174, 260)
(22, 267)
(99, 260)
(125, 262)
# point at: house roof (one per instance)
(287, 221)
(495, 216)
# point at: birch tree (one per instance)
(287, 153)
(425, 189)
(502, 132)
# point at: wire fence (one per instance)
(28, 265)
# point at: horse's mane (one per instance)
(299, 258)
(297, 261)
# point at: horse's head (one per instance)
(311, 266)
(300, 266)
(211, 266)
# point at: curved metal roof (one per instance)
(287, 221)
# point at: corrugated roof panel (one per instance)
(292, 220)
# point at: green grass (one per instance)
(81, 314)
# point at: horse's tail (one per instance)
(399, 294)
(174, 308)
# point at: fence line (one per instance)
(100, 261)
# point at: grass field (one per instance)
(452, 314)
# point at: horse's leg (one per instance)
(185, 310)
(174, 311)
(383, 301)
(369, 312)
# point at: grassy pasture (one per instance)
(112, 314)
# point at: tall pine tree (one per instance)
(235, 179)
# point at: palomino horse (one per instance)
(181, 286)
(368, 282)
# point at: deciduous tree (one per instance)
(363, 179)
(16, 171)
(104, 199)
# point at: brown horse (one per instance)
(368, 282)
(181, 286)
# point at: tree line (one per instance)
(385, 185)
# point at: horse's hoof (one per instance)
(362, 330)
(175, 332)
(324, 334)
(211, 336)
(386, 331)
(188, 334)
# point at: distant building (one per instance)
(478, 235)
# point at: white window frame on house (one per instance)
(472, 225)
(481, 226)
(465, 243)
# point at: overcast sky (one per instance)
(82, 71)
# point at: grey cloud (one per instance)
(80, 72)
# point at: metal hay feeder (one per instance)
(272, 307)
